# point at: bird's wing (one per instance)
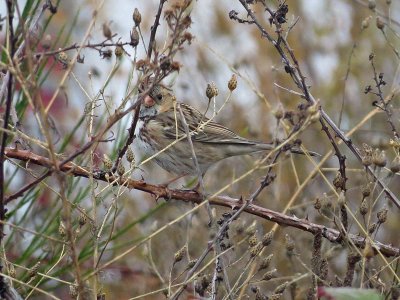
(205, 131)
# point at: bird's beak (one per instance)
(148, 101)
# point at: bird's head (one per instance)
(158, 100)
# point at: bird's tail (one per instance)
(295, 150)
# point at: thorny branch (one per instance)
(160, 191)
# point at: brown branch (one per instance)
(160, 191)
(154, 28)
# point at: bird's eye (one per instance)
(159, 97)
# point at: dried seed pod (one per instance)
(338, 181)
(119, 51)
(82, 217)
(379, 23)
(63, 57)
(275, 297)
(366, 190)
(130, 156)
(134, 37)
(209, 92)
(372, 228)
(267, 238)
(254, 251)
(366, 160)
(180, 254)
(269, 275)
(382, 215)
(281, 288)
(214, 89)
(137, 17)
(252, 241)
(265, 262)
(120, 169)
(364, 207)
(107, 31)
(365, 23)
(379, 158)
(191, 263)
(371, 4)
(279, 111)
(232, 84)
(107, 162)
(33, 271)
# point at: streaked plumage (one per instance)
(212, 142)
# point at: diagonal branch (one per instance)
(160, 191)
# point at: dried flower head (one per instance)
(180, 254)
(254, 251)
(107, 162)
(265, 262)
(279, 111)
(364, 207)
(119, 51)
(63, 58)
(365, 23)
(130, 156)
(134, 37)
(366, 189)
(232, 84)
(137, 17)
(267, 238)
(107, 31)
(371, 4)
(252, 240)
(82, 217)
(269, 275)
(382, 215)
(379, 158)
(379, 23)
(120, 169)
(33, 271)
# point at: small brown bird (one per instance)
(160, 125)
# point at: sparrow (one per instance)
(161, 132)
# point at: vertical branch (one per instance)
(154, 28)
(4, 137)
